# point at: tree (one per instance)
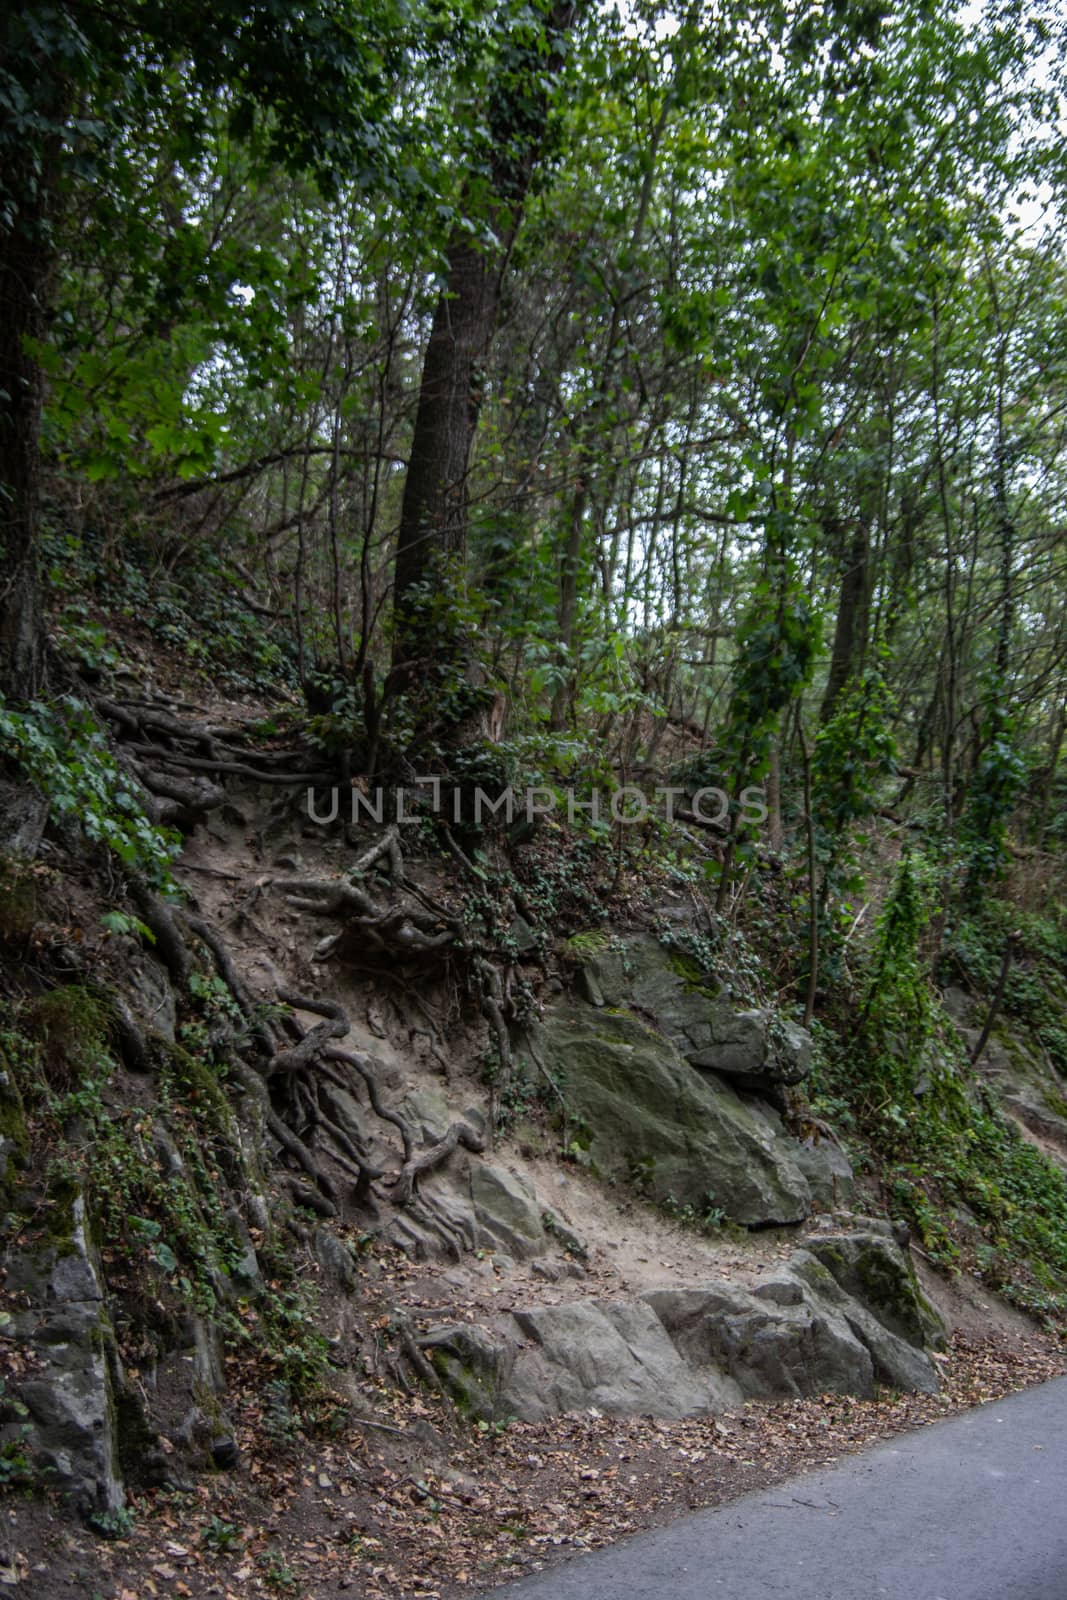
(514, 139)
(307, 88)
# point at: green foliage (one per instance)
(198, 609)
(897, 1020)
(17, 1469)
(64, 752)
(1035, 993)
(708, 1217)
(71, 1022)
(977, 1193)
(854, 752)
(777, 647)
(117, 1524)
(224, 1538)
(992, 797)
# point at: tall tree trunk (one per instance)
(433, 518)
(569, 573)
(24, 272)
(434, 511)
(853, 610)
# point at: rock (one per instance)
(536, 1364)
(759, 1051)
(335, 1258)
(245, 1272)
(872, 1269)
(508, 1207)
(589, 988)
(896, 1362)
(685, 1352)
(686, 1136)
(14, 1135)
(429, 1112)
(23, 815)
(152, 997)
(775, 1341)
(344, 1108)
(225, 1453)
(523, 935)
(563, 1234)
(828, 1172)
(68, 1396)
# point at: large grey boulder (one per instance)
(756, 1049)
(682, 1352)
(872, 1269)
(828, 1172)
(776, 1341)
(895, 1361)
(615, 1357)
(686, 1137)
(57, 1317)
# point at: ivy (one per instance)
(63, 751)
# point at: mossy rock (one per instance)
(876, 1272)
(757, 1050)
(197, 1083)
(14, 1135)
(646, 1110)
(470, 1364)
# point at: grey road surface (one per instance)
(970, 1509)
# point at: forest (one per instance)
(460, 400)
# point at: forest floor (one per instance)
(443, 1508)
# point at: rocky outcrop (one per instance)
(478, 1205)
(684, 1136)
(685, 1352)
(757, 1050)
(613, 1356)
(62, 1414)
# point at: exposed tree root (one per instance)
(334, 1026)
(460, 1133)
(159, 919)
(230, 769)
(361, 1065)
(310, 1198)
(302, 1155)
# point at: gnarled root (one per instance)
(460, 1133)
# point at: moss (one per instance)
(71, 1024)
(134, 1435)
(885, 1282)
(692, 975)
(55, 1220)
(14, 1134)
(198, 1087)
(1056, 1103)
(18, 901)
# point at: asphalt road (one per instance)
(974, 1508)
